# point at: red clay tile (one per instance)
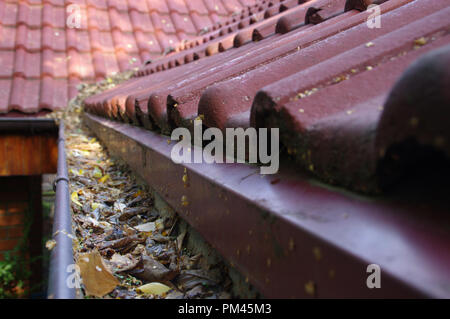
(54, 39)
(53, 94)
(54, 64)
(78, 40)
(197, 7)
(216, 6)
(147, 42)
(183, 24)
(416, 108)
(101, 40)
(98, 19)
(120, 20)
(118, 4)
(81, 3)
(159, 6)
(25, 95)
(8, 13)
(29, 15)
(80, 64)
(127, 61)
(319, 12)
(105, 63)
(124, 41)
(53, 16)
(7, 63)
(5, 90)
(141, 21)
(162, 23)
(166, 41)
(55, 2)
(138, 5)
(178, 6)
(7, 37)
(29, 39)
(201, 21)
(74, 81)
(99, 4)
(356, 108)
(27, 64)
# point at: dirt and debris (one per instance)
(123, 246)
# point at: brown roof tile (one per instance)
(313, 69)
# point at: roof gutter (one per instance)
(30, 126)
(61, 259)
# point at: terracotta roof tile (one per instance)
(7, 38)
(7, 62)
(120, 20)
(100, 4)
(138, 5)
(27, 64)
(118, 5)
(141, 21)
(159, 6)
(30, 15)
(313, 69)
(8, 13)
(197, 7)
(53, 16)
(25, 95)
(38, 49)
(54, 39)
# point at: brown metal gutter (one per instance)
(61, 258)
(291, 236)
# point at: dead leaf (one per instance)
(123, 262)
(74, 198)
(180, 239)
(50, 244)
(152, 270)
(147, 227)
(97, 279)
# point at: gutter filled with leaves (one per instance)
(124, 246)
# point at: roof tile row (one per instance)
(315, 70)
(113, 36)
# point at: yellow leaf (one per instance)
(153, 288)
(139, 192)
(104, 178)
(50, 244)
(97, 172)
(94, 206)
(159, 223)
(74, 198)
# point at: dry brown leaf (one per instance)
(97, 279)
(123, 262)
(154, 271)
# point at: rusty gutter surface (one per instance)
(62, 254)
(289, 235)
